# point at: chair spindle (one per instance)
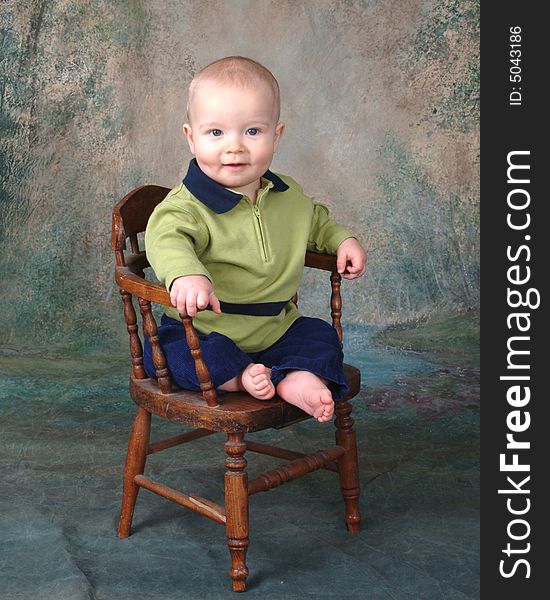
(136, 349)
(203, 375)
(134, 244)
(336, 303)
(159, 360)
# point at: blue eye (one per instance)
(253, 131)
(216, 132)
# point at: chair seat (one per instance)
(237, 412)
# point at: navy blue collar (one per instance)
(217, 197)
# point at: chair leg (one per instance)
(348, 466)
(135, 464)
(236, 508)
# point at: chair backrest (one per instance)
(130, 217)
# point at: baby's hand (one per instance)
(192, 293)
(352, 251)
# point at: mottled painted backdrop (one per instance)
(380, 100)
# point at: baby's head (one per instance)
(238, 72)
(233, 124)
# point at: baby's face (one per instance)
(233, 133)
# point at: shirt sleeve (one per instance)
(172, 239)
(325, 235)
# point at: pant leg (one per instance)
(223, 358)
(312, 345)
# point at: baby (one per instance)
(229, 245)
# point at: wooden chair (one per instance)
(235, 414)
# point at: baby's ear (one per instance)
(279, 130)
(188, 133)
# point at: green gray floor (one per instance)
(65, 424)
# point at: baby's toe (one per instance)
(318, 412)
(325, 417)
(326, 398)
(256, 369)
(327, 412)
(267, 393)
(262, 384)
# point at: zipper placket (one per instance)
(262, 237)
(257, 214)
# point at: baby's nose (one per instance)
(234, 144)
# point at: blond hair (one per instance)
(238, 71)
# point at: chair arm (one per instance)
(315, 260)
(129, 281)
(326, 262)
(152, 292)
(137, 286)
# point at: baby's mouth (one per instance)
(234, 165)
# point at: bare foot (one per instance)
(308, 392)
(256, 380)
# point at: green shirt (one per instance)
(251, 253)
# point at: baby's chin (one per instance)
(237, 175)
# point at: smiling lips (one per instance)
(235, 166)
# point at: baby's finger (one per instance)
(202, 300)
(181, 309)
(178, 300)
(341, 263)
(356, 274)
(215, 303)
(191, 305)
